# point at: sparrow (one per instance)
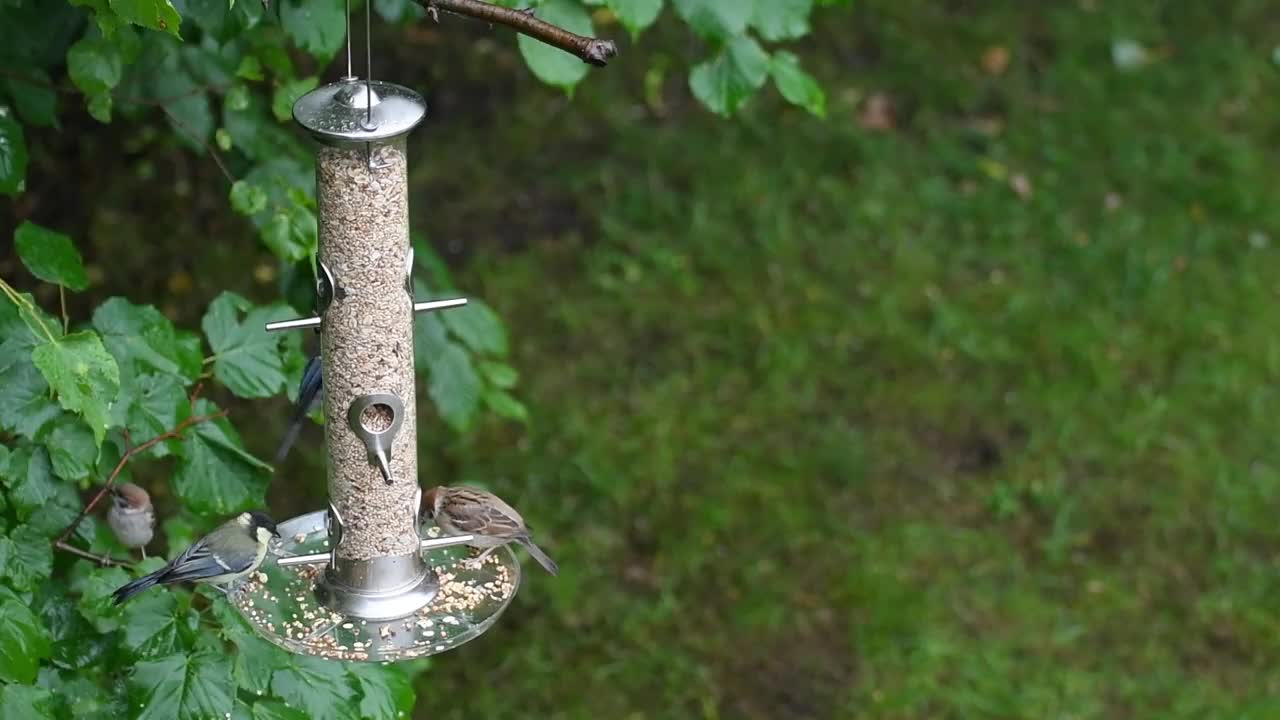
(228, 553)
(131, 516)
(466, 510)
(310, 393)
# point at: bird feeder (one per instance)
(368, 578)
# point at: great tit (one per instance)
(233, 550)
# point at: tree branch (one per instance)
(132, 451)
(592, 51)
(103, 560)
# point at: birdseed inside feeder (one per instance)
(368, 579)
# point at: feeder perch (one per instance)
(368, 579)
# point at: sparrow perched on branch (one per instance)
(131, 516)
(310, 393)
(466, 510)
(228, 553)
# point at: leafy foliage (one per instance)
(78, 394)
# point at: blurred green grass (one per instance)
(833, 423)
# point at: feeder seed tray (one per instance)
(280, 602)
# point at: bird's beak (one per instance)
(276, 533)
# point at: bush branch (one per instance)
(592, 51)
(130, 452)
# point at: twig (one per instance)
(124, 460)
(62, 301)
(213, 152)
(104, 560)
(592, 51)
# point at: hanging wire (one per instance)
(368, 67)
(349, 39)
(368, 85)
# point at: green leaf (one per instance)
(237, 98)
(25, 405)
(796, 85)
(256, 659)
(429, 337)
(287, 94)
(385, 690)
(153, 14)
(95, 586)
(35, 97)
(320, 688)
(82, 373)
(454, 385)
(29, 477)
(317, 26)
(186, 105)
(216, 475)
(20, 328)
(141, 337)
(292, 235)
(276, 710)
(25, 702)
(13, 154)
(78, 696)
(107, 19)
(726, 82)
(499, 374)
(249, 69)
(72, 449)
(478, 327)
(151, 624)
(24, 642)
(247, 356)
(778, 20)
(26, 558)
(76, 644)
(429, 261)
(150, 406)
(100, 107)
(506, 405)
(636, 15)
(183, 687)
(552, 65)
(397, 10)
(95, 65)
(247, 198)
(210, 15)
(247, 15)
(58, 512)
(716, 18)
(50, 256)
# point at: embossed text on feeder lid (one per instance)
(338, 112)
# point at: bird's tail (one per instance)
(128, 590)
(543, 559)
(290, 436)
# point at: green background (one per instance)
(968, 417)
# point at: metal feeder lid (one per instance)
(338, 112)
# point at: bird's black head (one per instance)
(259, 519)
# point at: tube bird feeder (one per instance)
(369, 579)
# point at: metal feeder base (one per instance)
(281, 602)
